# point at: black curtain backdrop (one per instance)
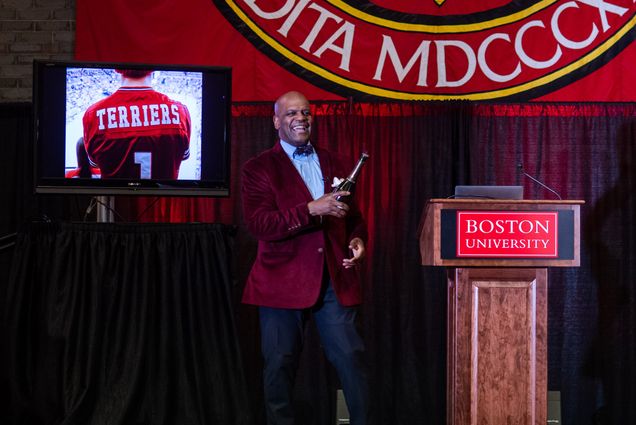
(124, 324)
(420, 151)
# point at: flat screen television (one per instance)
(131, 129)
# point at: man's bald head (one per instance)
(289, 97)
(292, 118)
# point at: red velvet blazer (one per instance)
(294, 246)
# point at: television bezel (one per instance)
(139, 187)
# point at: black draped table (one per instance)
(123, 324)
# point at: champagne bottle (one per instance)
(349, 183)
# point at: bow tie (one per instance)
(305, 150)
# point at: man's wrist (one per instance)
(312, 210)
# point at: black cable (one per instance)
(7, 238)
(9, 245)
(109, 208)
(146, 209)
(89, 208)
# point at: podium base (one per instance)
(497, 346)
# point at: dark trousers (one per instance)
(281, 340)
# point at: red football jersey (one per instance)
(95, 173)
(137, 133)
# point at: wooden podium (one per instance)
(497, 253)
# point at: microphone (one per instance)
(520, 167)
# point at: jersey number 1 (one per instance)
(144, 160)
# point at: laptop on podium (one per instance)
(489, 192)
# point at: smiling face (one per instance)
(292, 118)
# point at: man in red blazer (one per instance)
(308, 246)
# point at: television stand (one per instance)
(105, 209)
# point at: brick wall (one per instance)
(32, 29)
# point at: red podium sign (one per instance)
(492, 234)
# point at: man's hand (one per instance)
(327, 204)
(357, 247)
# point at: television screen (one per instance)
(122, 128)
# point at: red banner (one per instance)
(433, 49)
(498, 52)
(506, 234)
